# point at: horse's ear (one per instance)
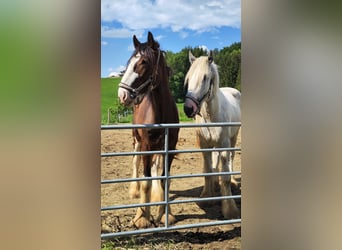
(151, 42)
(211, 56)
(150, 39)
(191, 57)
(136, 42)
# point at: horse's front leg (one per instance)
(215, 156)
(209, 181)
(142, 217)
(157, 193)
(229, 208)
(161, 184)
(134, 191)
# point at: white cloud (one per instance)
(116, 71)
(203, 47)
(183, 34)
(120, 68)
(196, 15)
(158, 38)
(107, 31)
(104, 43)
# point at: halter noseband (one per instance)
(198, 101)
(135, 92)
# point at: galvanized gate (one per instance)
(167, 201)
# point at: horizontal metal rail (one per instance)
(169, 228)
(171, 125)
(170, 151)
(150, 204)
(166, 152)
(169, 177)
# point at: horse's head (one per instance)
(141, 71)
(199, 83)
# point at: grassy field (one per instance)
(109, 92)
(109, 100)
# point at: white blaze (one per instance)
(128, 78)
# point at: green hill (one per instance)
(111, 110)
(109, 90)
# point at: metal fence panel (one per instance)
(166, 201)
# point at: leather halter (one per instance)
(137, 92)
(198, 101)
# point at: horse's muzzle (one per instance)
(190, 108)
(125, 97)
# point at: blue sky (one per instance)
(175, 24)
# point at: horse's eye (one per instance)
(144, 62)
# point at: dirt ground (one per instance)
(214, 237)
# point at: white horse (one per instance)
(209, 103)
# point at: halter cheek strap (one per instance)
(198, 101)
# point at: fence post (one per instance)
(166, 182)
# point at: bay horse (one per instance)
(145, 86)
(207, 103)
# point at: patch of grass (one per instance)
(109, 93)
(110, 103)
(182, 115)
(109, 90)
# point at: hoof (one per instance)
(230, 210)
(172, 219)
(142, 222)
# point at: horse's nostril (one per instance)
(124, 97)
(188, 110)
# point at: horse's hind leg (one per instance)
(234, 182)
(229, 208)
(134, 191)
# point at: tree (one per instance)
(228, 60)
(179, 64)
